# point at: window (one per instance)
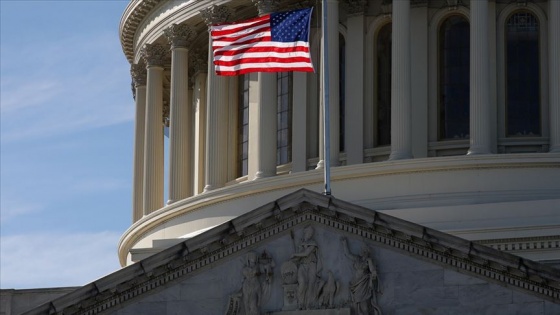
(522, 75)
(284, 114)
(383, 61)
(454, 81)
(243, 127)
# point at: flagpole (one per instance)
(326, 106)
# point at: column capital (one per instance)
(154, 54)
(199, 61)
(139, 74)
(179, 35)
(386, 7)
(357, 6)
(215, 14)
(266, 6)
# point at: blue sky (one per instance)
(66, 113)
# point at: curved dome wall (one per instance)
(507, 196)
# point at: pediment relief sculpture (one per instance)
(307, 282)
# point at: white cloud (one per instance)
(94, 185)
(26, 94)
(71, 84)
(15, 208)
(43, 260)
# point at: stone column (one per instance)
(138, 72)
(334, 98)
(217, 110)
(180, 144)
(299, 122)
(354, 118)
(266, 121)
(480, 133)
(153, 153)
(199, 106)
(400, 83)
(554, 74)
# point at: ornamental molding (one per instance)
(149, 223)
(355, 7)
(179, 35)
(293, 213)
(199, 61)
(154, 54)
(266, 6)
(216, 14)
(514, 245)
(135, 13)
(139, 74)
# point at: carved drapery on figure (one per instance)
(255, 289)
(309, 269)
(364, 286)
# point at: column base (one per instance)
(478, 151)
(170, 202)
(208, 188)
(400, 155)
(554, 149)
(262, 174)
(320, 165)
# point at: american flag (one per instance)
(270, 43)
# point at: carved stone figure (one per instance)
(328, 291)
(309, 269)
(251, 289)
(365, 283)
(255, 289)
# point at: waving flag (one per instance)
(271, 43)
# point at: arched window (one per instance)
(243, 127)
(522, 75)
(383, 66)
(284, 114)
(453, 70)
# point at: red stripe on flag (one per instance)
(268, 69)
(247, 46)
(261, 49)
(261, 60)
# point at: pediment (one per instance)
(258, 263)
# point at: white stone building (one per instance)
(445, 164)
(413, 134)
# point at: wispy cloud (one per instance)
(20, 95)
(12, 208)
(69, 88)
(41, 260)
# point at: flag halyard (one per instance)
(271, 43)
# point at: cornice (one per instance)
(133, 15)
(298, 180)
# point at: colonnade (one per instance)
(200, 163)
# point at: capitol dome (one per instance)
(442, 113)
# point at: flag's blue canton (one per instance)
(290, 26)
